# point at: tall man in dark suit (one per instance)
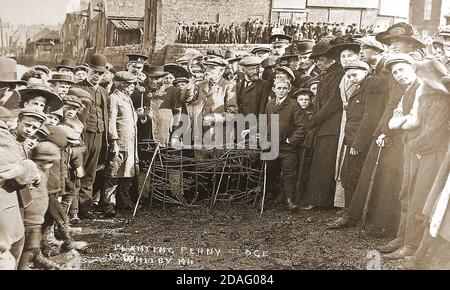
(95, 116)
(252, 91)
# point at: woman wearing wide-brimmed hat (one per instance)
(326, 121)
(402, 38)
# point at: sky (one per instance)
(33, 11)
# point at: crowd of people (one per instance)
(255, 31)
(366, 116)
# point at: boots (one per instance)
(50, 245)
(41, 262)
(33, 237)
(25, 259)
(74, 220)
(291, 205)
(69, 243)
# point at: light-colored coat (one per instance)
(122, 128)
(12, 228)
(218, 101)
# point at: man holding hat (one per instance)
(123, 157)
(252, 92)
(95, 116)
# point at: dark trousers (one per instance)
(351, 171)
(284, 169)
(93, 143)
(121, 193)
(410, 166)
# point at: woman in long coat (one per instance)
(123, 159)
(327, 120)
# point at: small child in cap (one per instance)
(74, 154)
(45, 154)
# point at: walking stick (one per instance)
(369, 193)
(264, 189)
(145, 181)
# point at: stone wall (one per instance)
(172, 52)
(117, 55)
(222, 11)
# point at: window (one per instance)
(428, 6)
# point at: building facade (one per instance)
(163, 16)
(425, 15)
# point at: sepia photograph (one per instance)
(242, 136)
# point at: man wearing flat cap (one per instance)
(363, 112)
(95, 116)
(123, 159)
(262, 52)
(252, 92)
(16, 172)
(212, 102)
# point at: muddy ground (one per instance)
(230, 236)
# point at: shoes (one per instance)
(340, 223)
(74, 221)
(75, 245)
(41, 262)
(88, 215)
(109, 212)
(309, 207)
(405, 251)
(390, 247)
(291, 206)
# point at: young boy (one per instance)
(44, 155)
(291, 135)
(304, 97)
(74, 154)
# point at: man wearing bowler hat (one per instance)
(95, 116)
(67, 66)
(307, 66)
(61, 83)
